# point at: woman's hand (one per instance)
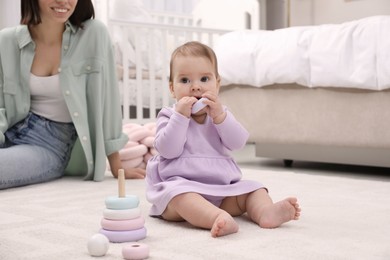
(130, 173)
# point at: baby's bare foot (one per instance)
(224, 225)
(278, 213)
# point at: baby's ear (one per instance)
(171, 89)
(218, 83)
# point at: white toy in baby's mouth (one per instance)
(199, 105)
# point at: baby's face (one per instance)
(193, 76)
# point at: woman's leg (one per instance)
(36, 150)
(27, 164)
(199, 212)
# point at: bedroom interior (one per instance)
(329, 129)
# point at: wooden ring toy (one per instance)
(124, 236)
(119, 203)
(122, 225)
(135, 251)
(123, 214)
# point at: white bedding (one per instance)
(354, 54)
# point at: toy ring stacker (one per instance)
(199, 105)
(130, 228)
(135, 251)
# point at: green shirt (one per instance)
(88, 82)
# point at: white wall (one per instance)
(227, 14)
(175, 6)
(337, 11)
(9, 13)
(284, 13)
(315, 12)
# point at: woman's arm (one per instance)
(130, 173)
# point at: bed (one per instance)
(312, 93)
(315, 93)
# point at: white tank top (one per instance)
(47, 99)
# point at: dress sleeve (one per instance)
(171, 133)
(233, 135)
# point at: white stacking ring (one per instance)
(124, 236)
(135, 251)
(122, 214)
(128, 202)
(122, 225)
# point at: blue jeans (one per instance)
(36, 150)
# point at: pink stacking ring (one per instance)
(122, 214)
(135, 251)
(124, 236)
(128, 202)
(122, 225)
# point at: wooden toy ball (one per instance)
(98, 245)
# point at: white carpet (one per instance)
(342, 218)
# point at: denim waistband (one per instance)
(36, 130)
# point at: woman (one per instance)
(57, 82)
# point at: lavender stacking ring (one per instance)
(124, 236)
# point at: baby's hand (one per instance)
(215, 111)
(184, 105)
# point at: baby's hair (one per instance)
(195, 49)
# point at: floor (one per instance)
(246, 158)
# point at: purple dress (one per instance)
(195, 158)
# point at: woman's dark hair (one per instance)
(31, 16)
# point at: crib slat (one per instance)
(165, 69)
(125, 76)
(152, 74)
(139, 76)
